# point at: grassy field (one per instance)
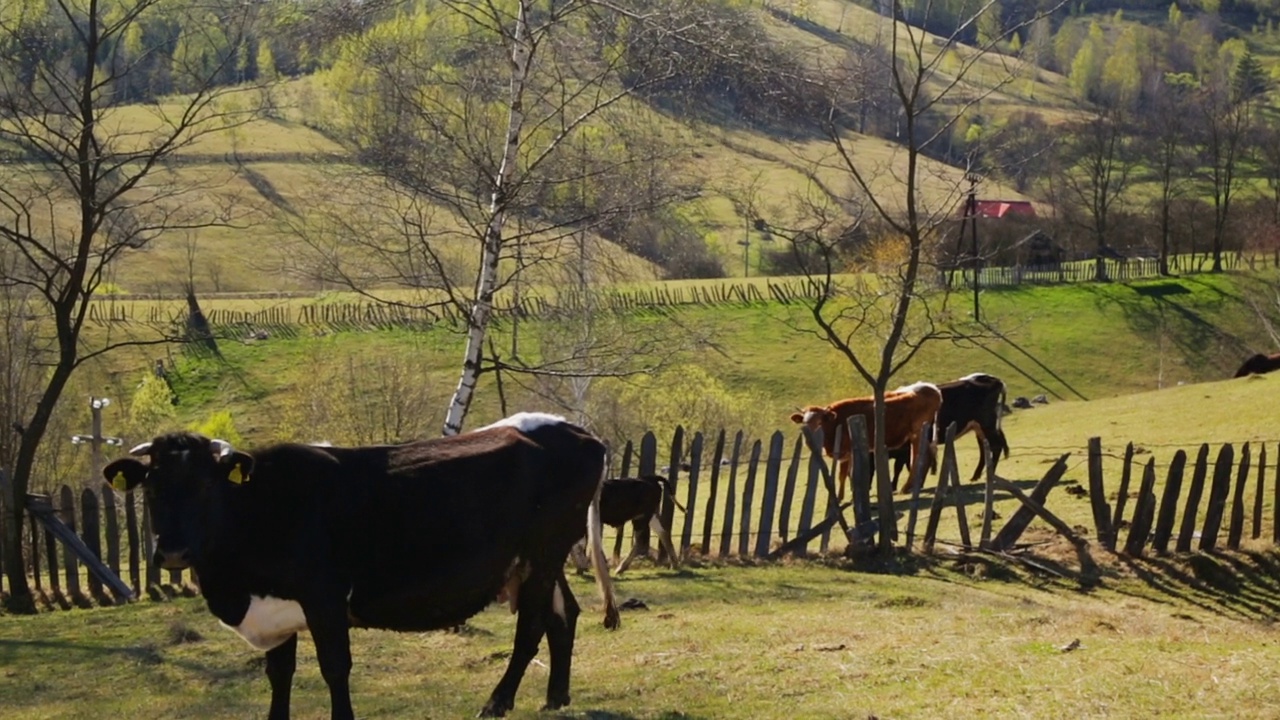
(942, 639)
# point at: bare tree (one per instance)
(82, 184)
(899, 307)
(1164, 147)
(1096, 166)
(507, 133)
(1224, 121)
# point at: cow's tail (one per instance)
(670, 492)
(1000, 417)
(595, 538)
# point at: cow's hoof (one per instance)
(555, 703)
(495, 708)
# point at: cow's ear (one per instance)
(797, 418)
(238, 467)
(125, 474)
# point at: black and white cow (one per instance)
(412, 537)
(974, 402)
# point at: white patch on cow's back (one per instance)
(557, 603)
(975, 376)
(270, 621)
(527, 421)
(916, 387)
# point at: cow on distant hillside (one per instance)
(974, 402)
(906, 410)
(1259, 365)
(412, 537)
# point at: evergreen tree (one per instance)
(1249, 79)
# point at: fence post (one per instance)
(772, 468)
(730, 499)
(131, 530)
(917, 481)
(988, 507)
(111, 527)
(51, 558)
(691, 499)
(92, 535)
(861, 470)
(1122, 496)
(1187, 531)
(1217, 498)
(1236, 529)
(668, 508)
(1097, 496)
(1258, 491)
(1143, 511)
(70, 564)
(940, 492)
(708, 518)
(148, 546)
(1169, 503)
(623, 471)
(788, 491)
(648, 465)
(748, 495)
(810, 488)
(1023, 516)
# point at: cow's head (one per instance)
(185, 477)
(814, 417)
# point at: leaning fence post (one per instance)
(748, 493)
(71, 564)
(789, 490)
(772, 468)
(939, 495)
(988, 505)
(1169, 503)
(709, 517)
(1143, 511)
(1258, 492)
(91, 534)
(668, 509)
(1023, 516)
(1122, 496)
(730, 498)
(1236, 529)
(917, 481)
(1188, 528)
(691, 498)
(1097, 496)
(1217, 497)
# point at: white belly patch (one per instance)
(270, 621)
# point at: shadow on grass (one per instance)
(607, 715)
(1242, 585)
(144, 654)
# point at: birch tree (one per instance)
(502, 137)
(82, 184)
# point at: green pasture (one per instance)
(926, 640)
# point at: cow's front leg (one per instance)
(535, 597)
(562, 624)
(281, 662)
(330, 631)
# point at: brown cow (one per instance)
(906, 410)
(1259, 364)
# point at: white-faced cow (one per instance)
(974, 403)
(412, 537)
(907, 409)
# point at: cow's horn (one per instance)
(221, 448)
(142, 449)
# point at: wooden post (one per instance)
(624, 471)
(789, 490)
(861, 471)
(988, 506)
(709, 517)
(730, 498)
(35, 550)
(1143, 512)
(961, 516)
(940, 492)
(1062, 528)
(149, 546)
(668, 511)
(1258, 492)
(1217, 498)
(916, 482)
(71, 565)
(1188, 529)
(1023, 516)
(1098, 497)
(648, 465)
(748, 496)
(816, 467)
(91, 534)
(51, 556)
(131, 530)
(1122, 496)
(772, 468)
(884, 497)
(1236, 529)
(690, 503)
(111, 527)
(1169, 503)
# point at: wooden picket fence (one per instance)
(755, 498)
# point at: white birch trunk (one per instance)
(482, 305)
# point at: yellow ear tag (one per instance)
(236, 476)
(119, 483)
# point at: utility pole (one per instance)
(96, 440)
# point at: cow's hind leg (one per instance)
(281, 662)
(636, 537)
(535, 600)
(664, 537)
(330, 632)
(561, 624)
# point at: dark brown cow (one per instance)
(906, 410)
(974, 402)
(1259, 365)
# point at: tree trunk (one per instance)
(1164, 237)
(482, 306)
